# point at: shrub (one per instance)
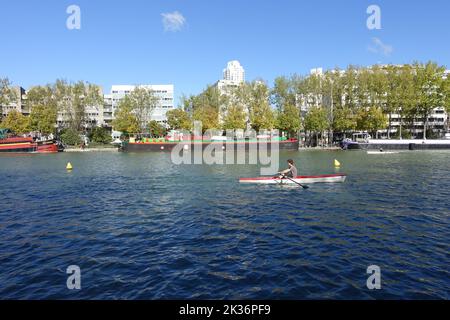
(71, 137)
(100, 135)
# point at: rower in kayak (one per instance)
(290, 172)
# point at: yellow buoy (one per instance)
(337, 163)
(69, 166)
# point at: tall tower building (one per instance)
(234, 72)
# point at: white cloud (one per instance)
(173, 21)
(379, 47)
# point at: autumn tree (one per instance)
(261, 113)
(16, 122)
(208, 116)
(371, 120)
(125, 118)
(316, 121)
(428, 87)
(288, 120)
(142, 101)
(156, 129)
(235, 118)
(178, 119)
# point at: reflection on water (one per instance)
(141, 227)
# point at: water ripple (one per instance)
(141, 228)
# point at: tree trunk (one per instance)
(425, 120)
(389, 127)
(400, 128)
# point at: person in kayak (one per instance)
(290, 172)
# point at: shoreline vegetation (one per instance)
(319, 108)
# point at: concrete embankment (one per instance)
(91, 150)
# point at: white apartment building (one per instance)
(164, 93)
(103, 115)
(438, 119)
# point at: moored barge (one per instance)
(26, 145)
(152, 145)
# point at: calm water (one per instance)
(140, 227)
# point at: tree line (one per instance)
(69, 100)
(365, 99)
(336, 101)
(245, 106)
(68, 103)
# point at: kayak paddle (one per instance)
(301, 185)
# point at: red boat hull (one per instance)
(47, 148)
(27, 145)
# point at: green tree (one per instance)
(44, 109)
(288, 120)
(16, 122)
(73, 100)
(178, 119)
(207, 106)
(208, 116)
(42, 95)
(446, 91)
(371, 120)
(283, 93)
(344, 120)
(187, 104)
(143, 102)
(209, 98)
(406, 97)
(261, 114)
(235, 118)
(156, 129)
(350, 83)
(378, 91)
(100, 135)
(43, 119)
(71, 137)
(316, 121)
(393, 93)
(428, 87)
(125, 119)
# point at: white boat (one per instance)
(327, 178)
(382, 152)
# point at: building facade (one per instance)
(233, 76)
(438, 120)
(102, 115)
(19, 104)
(234, 72)
(165, 102)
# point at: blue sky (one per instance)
(125, 42)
